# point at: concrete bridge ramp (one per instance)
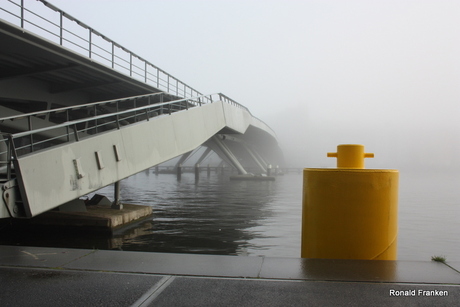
(43, 179)
(80, 112)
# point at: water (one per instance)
(216, 215)
(429, 212)
(219, 216)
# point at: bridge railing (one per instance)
(228, 100)
(48, 21)
(48, 128)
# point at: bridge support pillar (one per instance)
(116, 203)
(230, 156)
(179, 172)
(197, 172)
(262, 159)
(204, 155)
(182, 160)
(253, 155)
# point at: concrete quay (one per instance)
(80, 277)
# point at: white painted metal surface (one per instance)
(60, 174)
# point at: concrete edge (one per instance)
(198, 265)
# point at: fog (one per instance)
(384, 74)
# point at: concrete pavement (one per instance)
(76, 277)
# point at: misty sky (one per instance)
(385, 74)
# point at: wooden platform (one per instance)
(98, 217)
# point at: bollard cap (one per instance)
(350, 156)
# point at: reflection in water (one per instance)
(215, 216)
(218, 216)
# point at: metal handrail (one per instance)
(73, 130)
(126, 62)
(78, 106)
(206, 99)
(149, 74)
(233, 102)
(127, 115)
(157, 106)
(115, 56)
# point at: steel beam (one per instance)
(229, 155)
(182, 160)
(203, 156)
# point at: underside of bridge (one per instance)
(71, 125)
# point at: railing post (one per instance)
(135, 112)
(61, 25)
(158, 78)
(95, 118)
(130, 64)
(90, 42)
(117, 117)
(148, 110)
(9, 147)
(29, 119)
(67, 127)
(113, 55)
(75, 131)
(22, 14)
(167, 86)
(4, 152)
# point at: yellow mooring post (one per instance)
(350, 212)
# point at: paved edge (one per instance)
(415, 272)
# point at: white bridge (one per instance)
(79, 112)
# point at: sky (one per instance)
(384, 74)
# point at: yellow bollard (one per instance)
(350, 212)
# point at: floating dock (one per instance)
(252, 178)
(96, 218)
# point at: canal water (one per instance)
(260, 218)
